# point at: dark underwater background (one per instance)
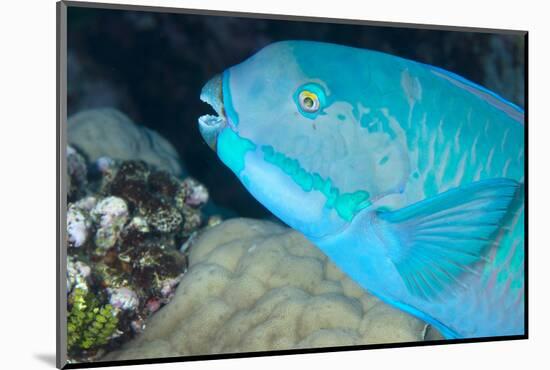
(152, 66)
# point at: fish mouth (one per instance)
(211, 125)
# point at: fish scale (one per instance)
(500, 150)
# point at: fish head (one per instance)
(294, 124)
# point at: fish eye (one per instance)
(309, 101)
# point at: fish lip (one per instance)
(211, 125)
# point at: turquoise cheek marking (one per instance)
(346, 204)
(227, 100)
(232, 148)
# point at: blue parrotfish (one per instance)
(408, 177)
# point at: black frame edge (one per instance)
(225, 356)
(61, 169)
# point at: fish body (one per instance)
(410, 178)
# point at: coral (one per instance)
(214, 220)
(89, 325)
(256, 286)
(110, 214)
(77, 173)
(193, 219)
(78, 226)
(123, 233)
(78, 275)
(163, 202)
(165, 219)
(86, 203)
(167, 287)
(163, 183)
(191, 193)
(123, 298)
(139, 224)
(130, 183)
(107, 132)
(153, 305)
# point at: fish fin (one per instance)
(433, 242)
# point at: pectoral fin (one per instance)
(433, 242)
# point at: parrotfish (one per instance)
(408, 177)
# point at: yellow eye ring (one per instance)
(309, 101)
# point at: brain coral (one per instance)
(254, 285)
(108, 132)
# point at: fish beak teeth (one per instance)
(211, 125)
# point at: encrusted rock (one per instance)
(78, 226)
(165, 219)
(193, 219)
(78, 274)
(123, 232)
(191, 193)
(123, 298)
(77, 173)
(130, 183)
(163, 183)
(111, 214)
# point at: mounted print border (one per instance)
(355, 185)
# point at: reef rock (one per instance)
(107, 132)
(256, 286)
